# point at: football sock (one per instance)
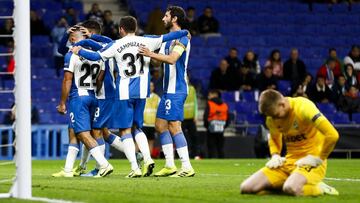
(99, 157)
(115, 142)
(311, 190)
(182, 150)
(129, 150)
(85, 156)
(168, 148)
(101, 144)
(73, 150)
(143, 144)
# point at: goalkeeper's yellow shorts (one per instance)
(278, 176)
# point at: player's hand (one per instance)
(275, 161)
(189, 34)
(144, 51)
(61, 108)
(75, 49)
(309, 160)
(70, 30)
(85, 32)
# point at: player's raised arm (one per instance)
(101, 38)
(104, 54)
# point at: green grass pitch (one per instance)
(215, 181)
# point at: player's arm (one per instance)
(99, 81)
(275, 147)
(66, 84)
(171, 35)
(89, 43)
(103, 54)
(63, 49)
(331, 137)
(101, 38)
(170, 59)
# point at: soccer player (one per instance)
(78, 86)
(171, 108)
(132, 87)
(309, 138)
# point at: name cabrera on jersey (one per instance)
(175, 75)
(85, 73)
(133, 68)
(107, 90)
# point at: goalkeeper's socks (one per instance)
(311, 190)
(143, 144)
(129, 150)
(115, 142)
(168, 149)
(182, 150)
(99, 156)
(73, 150)
(101, 144)
(85, 156)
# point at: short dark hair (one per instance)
(190, 8)
(331, 49)
(233, 48)
(107, 11)
(92, 25)
(128, 23)
(177, 11)
(215, 91)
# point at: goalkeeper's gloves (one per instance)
(309, 160)
(275, 161)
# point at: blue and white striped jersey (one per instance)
(175, 75)
(133, 68)
(107, 90)
(85, 73)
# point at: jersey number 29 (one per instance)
(92, 70)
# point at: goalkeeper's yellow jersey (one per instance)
(300, 131)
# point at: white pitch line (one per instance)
(43, 199)
(344, 179)
(7, 163)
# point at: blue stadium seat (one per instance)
(327, 108)
(284, 87)
(248, 96)
(341, 118)
(356, 118)
(246, 107)
(229, 96)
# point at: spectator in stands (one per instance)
(150, 110)
(274, 61)
(251, 61)
(350, 103)
(216, 119)
(328, 72)
(294, 68)
(233, 60)
(333, 55)
(7, 29)
(320, 92)
(192, 23)
(110, 28)
(207, 23)
(339, 88)
(95, 13)
(37, 25)
(189, 123)
(302, 88)
(56, 34)
(155, 26)
(222, 79)
(353, 57)
(245, 79)
(71, 16)
(266, 79)
(350, 76)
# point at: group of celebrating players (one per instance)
(107, 83)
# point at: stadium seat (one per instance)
(284, 87)
(327, 108)
(246, 107)
(356, 118)
(230, 96)
(248, 96)
(341, 118)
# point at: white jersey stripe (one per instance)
(172, 79)
(124, 88)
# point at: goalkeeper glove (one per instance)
(275, 161)
(309, 160)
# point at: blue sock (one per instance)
(110, 139)
(165, 138)
(180, 140)
(126, 136)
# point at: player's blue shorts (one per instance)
(103, 114)
(127, 113)
(82, 113)
(171, 107)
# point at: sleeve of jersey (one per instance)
(311, 113)
(180, 45)
(68, 63)
(153, 42)
(89, 55)
(90, 44)
(101, 38)
(275, 139)
(63, 49)
(107, 52)
(174, 35)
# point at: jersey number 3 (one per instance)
(132, 68)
